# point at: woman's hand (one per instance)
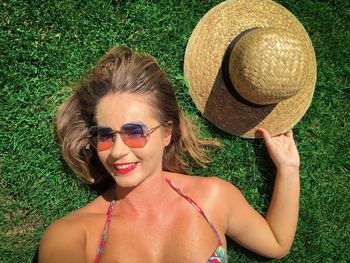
(282, 149)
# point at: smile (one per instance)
(124, 168)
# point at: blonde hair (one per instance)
(122, 70)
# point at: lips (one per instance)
(124, 168)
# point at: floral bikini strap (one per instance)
(105, 231)
(194, 204)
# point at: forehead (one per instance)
(116, 109)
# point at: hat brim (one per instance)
(202, 68)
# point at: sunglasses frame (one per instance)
(93, 132)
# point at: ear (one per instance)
(168, 130)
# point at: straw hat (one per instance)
(250, 64)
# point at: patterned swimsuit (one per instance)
(218, 256)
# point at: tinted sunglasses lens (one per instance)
(104, 140)
(133, 135)
(101, 138)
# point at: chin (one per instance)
(127, 181)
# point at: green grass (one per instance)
(47, 45)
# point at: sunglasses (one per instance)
(134, 135)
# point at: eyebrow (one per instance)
(133, 122)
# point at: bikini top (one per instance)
(219, 255)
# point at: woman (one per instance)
(124, 122)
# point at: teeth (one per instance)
(124, 166)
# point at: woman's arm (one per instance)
(282, 215)
(62, 242)
(271, 236)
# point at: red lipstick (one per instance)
(124, 168)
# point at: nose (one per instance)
(119, 148)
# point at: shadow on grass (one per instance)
(266, 167)
(36, 256)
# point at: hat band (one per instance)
(225, 70)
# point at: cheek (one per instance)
(153, 151)
(155, 154)
(156, 145)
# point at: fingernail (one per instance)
(259, 132)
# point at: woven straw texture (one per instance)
(202, 69)
(268, 66)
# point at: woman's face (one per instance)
(131, 166)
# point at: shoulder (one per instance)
(70, 221)
(221, 200)
(214, 185)
(75, 223)
(62, 229)
(63, 239)
(210, 190)
(219, 192)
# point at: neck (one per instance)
(145, 197)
